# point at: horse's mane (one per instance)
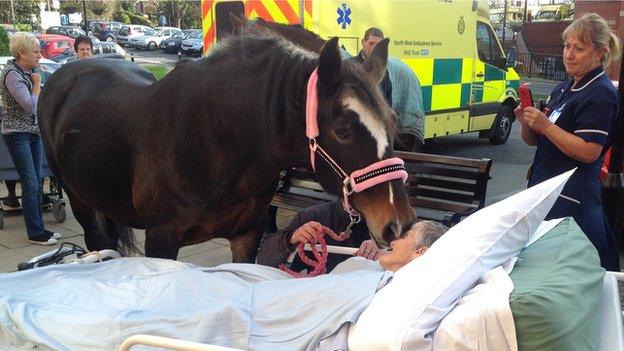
(281, 56)
(295, 33)
(308, 40)
(280, 67)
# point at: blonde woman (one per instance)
(575, 129)
(19, 92)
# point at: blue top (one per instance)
(588, 110)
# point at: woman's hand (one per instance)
(519, 111)
(36, 79)
(369, 250)
(536, 119)
(306, 234)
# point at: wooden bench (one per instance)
(440, 188)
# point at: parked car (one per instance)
(52, 45)
(174, 43)
(100, 49)
(152, 41)
(193, 44)
(107, 31)
(132, 31)
(45, 69)
(69, 31)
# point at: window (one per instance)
(113, 48)
(52, 30)
(223, 11)
(96, 50)
(63, 31)
(487, 45)
(165, 33)
(106, 49)
(62, 44)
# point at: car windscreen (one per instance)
(195, 35)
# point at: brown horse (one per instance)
(197, 154)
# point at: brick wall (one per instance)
(610, 10)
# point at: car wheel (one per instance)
(110, 39)
(502, 125)
(152, 46)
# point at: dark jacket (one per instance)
(274, 248)
(385, 86)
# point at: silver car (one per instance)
(132, 31)
(152, 42)
(193, 44)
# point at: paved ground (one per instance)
(15, 248)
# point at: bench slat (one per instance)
(418, 182)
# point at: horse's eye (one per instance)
(342, 133)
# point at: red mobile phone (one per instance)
(526, 98)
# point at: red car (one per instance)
(52, 45)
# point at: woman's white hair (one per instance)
(21, 42)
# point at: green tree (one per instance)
(181, 13)
(4, 43)
(23, 10)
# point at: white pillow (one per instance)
(404, 313)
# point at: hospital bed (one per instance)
(561, 326)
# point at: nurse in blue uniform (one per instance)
(575, 128)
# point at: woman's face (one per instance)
(579, 57)
(29, 58)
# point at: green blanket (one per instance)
(558, 292)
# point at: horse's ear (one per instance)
(238, 23)
(329, 65)
(375, 65)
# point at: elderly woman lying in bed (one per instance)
(252, 307)
(98, 306)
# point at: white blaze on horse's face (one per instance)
(391, 193)
(374, 125)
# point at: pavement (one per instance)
(15, 248)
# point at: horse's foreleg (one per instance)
(163, 242)
(85, 215)
(244, 246)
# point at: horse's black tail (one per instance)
(117, 236)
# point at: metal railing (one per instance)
(544, 66)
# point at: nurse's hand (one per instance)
(536, 119)
(519, 111)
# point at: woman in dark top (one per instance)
(575, 128)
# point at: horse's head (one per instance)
(356, 126)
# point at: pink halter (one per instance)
(360, 180)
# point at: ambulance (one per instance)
(468, 83)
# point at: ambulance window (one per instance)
(487, 45)
(222, 18)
